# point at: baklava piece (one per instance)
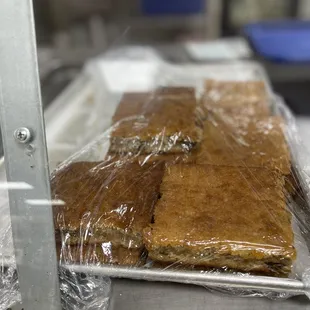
(239, 98)
(105, 201)
(161, 126)
(222, 217)
(100, 254)
(243, 141)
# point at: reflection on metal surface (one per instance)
(15, 185)
(40, 202)
(196, 277)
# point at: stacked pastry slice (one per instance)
(222, 217)
(106, 207)
(227, 209)
(239, 130)
(108, 204)
(162, 122)
(207, 192)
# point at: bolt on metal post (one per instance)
(22, 135)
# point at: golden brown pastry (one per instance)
(222, 217)
(132, 104)
(175, 92)
(166, 159)
(162, 126)
(245, 142)
(135, 104)
(105, 201)
(240, 98)
(99, 254)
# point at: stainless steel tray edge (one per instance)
(210, 279)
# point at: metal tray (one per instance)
(186, 75)
(209, 279)
(193, 75)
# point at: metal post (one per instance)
(26, 158)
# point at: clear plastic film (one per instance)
(78, 291)
(67, 131)
(199, 176)
(9, 293)
(199, 173)
(116, 180)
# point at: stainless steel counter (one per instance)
(141, 295)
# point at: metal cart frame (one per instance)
(26, 161)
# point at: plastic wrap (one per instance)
(204, 177)
(78, 291)
(9, 293)
(199, 174)
(71, 121)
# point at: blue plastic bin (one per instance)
(285, 41)
(172, 7)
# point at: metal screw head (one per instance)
(22, 135)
